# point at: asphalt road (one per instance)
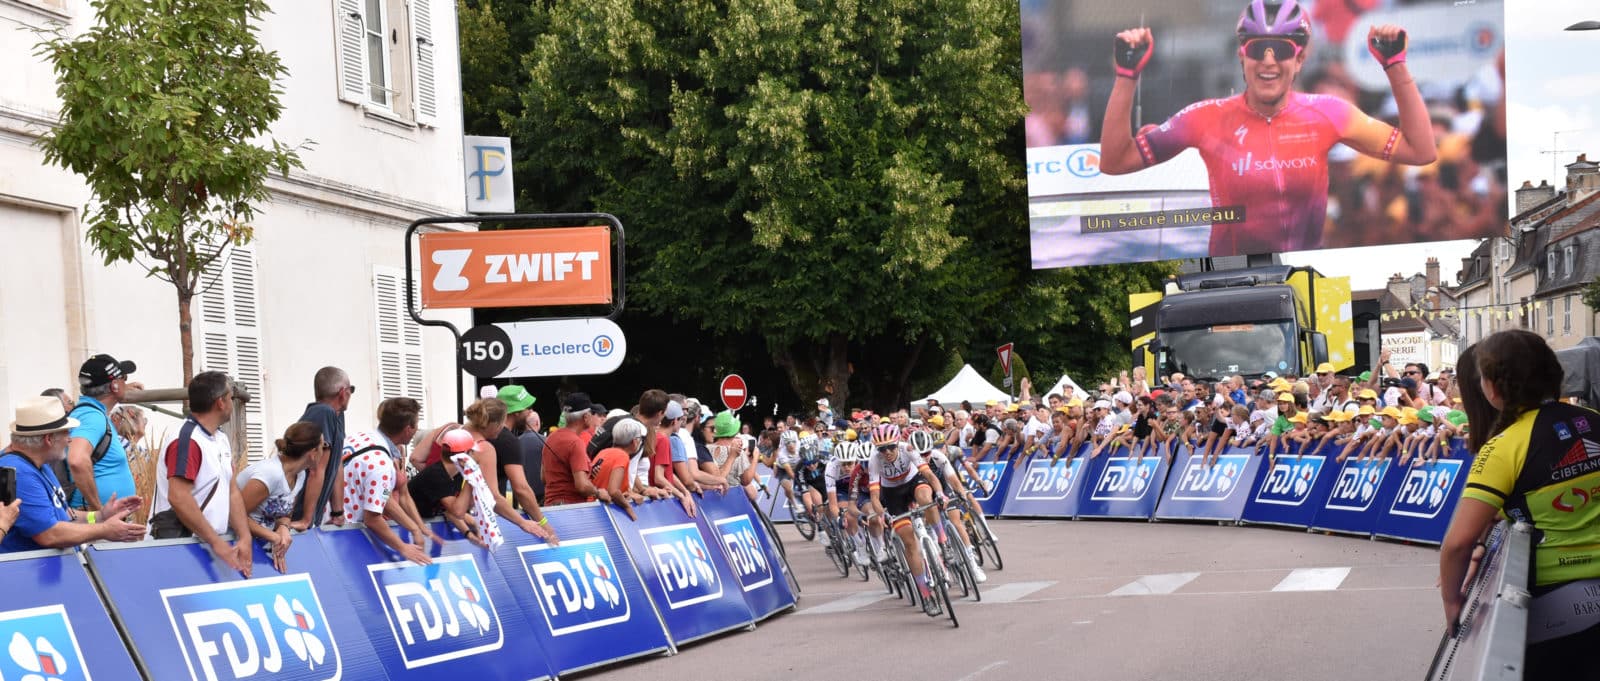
(1106, 600)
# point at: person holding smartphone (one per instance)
(8, 517)
(40, 515)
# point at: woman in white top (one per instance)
(269, 487)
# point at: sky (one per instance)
(1551, 90)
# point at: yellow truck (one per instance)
(1279, 319)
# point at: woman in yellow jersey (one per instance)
(1540, 465)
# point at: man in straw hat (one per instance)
(39, 438)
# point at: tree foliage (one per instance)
(164, 109)
(842, 179)
(1591, 294)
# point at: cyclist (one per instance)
(923, 443)
(1266, 150)
(810, 474)
(896, 480)
(840, 475)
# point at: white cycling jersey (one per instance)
(897, 473)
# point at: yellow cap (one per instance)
(1285, 397)
(1338, 416)
(884, 419)
(1075, 403)
(1391, 412)
(1325, 368)
(936, 420)
(1279, 384)
(1298, 418)
(992, 403)
(1368, 394)
(1408, 411)
(849, 435)
(1011, 408)
(1064, 410)
(1366, 410)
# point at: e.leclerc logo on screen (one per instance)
(40, 645)
(745, 553)
(1426, 489)
(1289, 481)
(1084, 163)
(1125, 479)
(683, 564)
(437, 612)
(1215, 482)
(272, 628)
(577, 583)
(1044, 481)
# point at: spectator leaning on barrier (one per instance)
(96, 459)
(375, 478)
(324, 488)
(39, 517)
(195, 495)
(499, 454)
(610, 467)
(566, 464)
(519, 407)
(269, 487)
(1533, 468)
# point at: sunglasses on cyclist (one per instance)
(1283, 49)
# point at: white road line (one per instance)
(1313, 579)
(988, 667)
(1148, 585)
(848, 603)
(1007, 593)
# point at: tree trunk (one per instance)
(834, 378)
(902, 385)
(186, 332)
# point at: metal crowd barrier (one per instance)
(1490, 642)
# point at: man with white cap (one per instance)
(39, 438)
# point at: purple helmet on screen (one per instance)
(1285, 18)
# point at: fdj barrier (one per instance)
(1217, 491)
(53, 625)
(1042, 489)
(996, 477)
(1124, 486)
(750, 552)
(1291, 489)
(772, 501)
(688, 578)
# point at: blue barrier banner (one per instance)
(772, 502)
(996, 477)
(1361, 492)
(1424, 501)
(1124, 486)
(1046, 490)
(191, 617)
(583, 598)
(53, 625)
(692, 584)
(455, 616)
(1290, 490)
(1219, 491)
(749, 551)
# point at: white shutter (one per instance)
(230, 336)
(425, 85)
(350, 26)
(400, 368)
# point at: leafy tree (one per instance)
(164, 109)
(843, 181)
(1591, 294)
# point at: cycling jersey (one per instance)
(1275, 167)
(1545, 470)
(882, 472)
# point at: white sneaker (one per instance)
(861, 556)
(977, 572)
(883, 556)
(823, 538)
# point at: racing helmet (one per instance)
(921, 442)
(885, 434)
(1280, 18)
(851, 452)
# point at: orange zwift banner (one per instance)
(517, 268)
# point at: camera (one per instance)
(1391, 382)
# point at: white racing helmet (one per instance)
(921, 442)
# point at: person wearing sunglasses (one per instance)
(1266, 150)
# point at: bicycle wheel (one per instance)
(943, 594)
(772, 533)
(803, 522)
(836, 550)
(881, 567)
(904, 585)
(972, 531)
(989, 544)
(937, 573)
(956, 558)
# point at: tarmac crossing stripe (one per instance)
(1313, 579)
(852, 602)
(1149, 585)
(1008, 593)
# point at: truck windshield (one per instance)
(1224, 350)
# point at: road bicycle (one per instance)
(933, 562)
(984, 542)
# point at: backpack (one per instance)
(64, 473)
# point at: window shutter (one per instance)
(400, 366)
(230, 335)
(350, 25)
(425, 86)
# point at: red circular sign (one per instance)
(734, 392)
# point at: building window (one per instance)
(1550, 266)
(1479, 335)
(400, 352)
(1567, 260)
(1550, 319)
(228, 335)
(1566, 314)
(386, 57)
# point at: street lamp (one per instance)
(1589, 25)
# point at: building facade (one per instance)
(375, 86)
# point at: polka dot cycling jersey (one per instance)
(1275, 168)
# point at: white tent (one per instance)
(1066, 387)
(967, 385)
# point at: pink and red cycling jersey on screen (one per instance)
(1276, 168)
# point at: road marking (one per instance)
(988, 667)
(1149, 585)
(1011, 592)
(1313, 579)
(848, 603)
